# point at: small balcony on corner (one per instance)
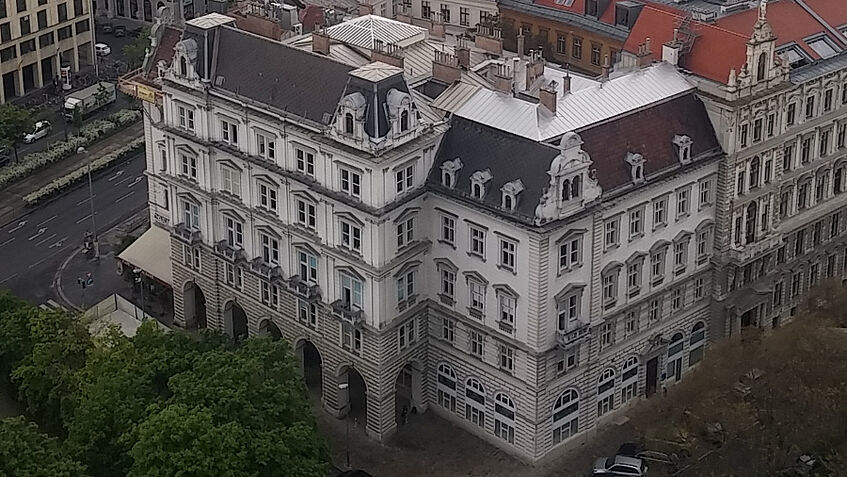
(571, 337)
(346, 313)
(747, 252)
(187, 234)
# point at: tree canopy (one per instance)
(26, 452)
(15, 123)
(135, 51)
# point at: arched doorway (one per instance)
(235, 321)
(353, 398)
(312, 367)
(194, 306)
(268, 327)
(408, 392)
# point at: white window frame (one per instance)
(506, 358)
(629, 379)
(569, 310)
(606, 397)
(636, 223)
(405, 178)
(507, 305)
(683, 202)
(306, 214)
(265, 146)
(405, 232)
(508, 254)
(190, 214)
(304, 161)
(660, 212)
(355, 289)
(268, 197)
(234, 275)
(188, 165)
(270, 248)
(476, 343)
(611, 232)
(350, 182)
(476, 241)
(570, 253)
(446, 385)
(229, 132)
(406, 286)
(186, 117)
(705, 193)
(565, 416)
(350, 236)
(475, 410)
(307, 264)
(234, 231)
(448, 229)
(504, 424)
(231, 180)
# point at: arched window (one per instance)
(404, 120)
(446, 388)
(507, 201)
(762, 67)
(837, 178)
(629, 379)
(751, 222)
(639, 172)
(675, 356)
(696, 343)
(606, 392)
(576, 187)
(475, 402)
(504, 418)
(477, 191)
(183, 66)
(348, 123)
(754, 172)
(447, 179)
(565, 416)
(566, 190)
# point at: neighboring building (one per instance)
(584, 34)
(455, 14)
(526, 273)
(37, 38)
(777, 95)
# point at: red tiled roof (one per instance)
(650, 133)
(834, 12)
(578, 7)
(658, 22)
(165, 48)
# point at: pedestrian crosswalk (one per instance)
(52, 305)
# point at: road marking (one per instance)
(7, 241)
(123, 180)
(48, 220)
(84, 200)
(117, 174)
(60, 243)
(124, 196)
(8, 278)
(136, 181)
(83, 219)
(45, 259)
(20, 224)
(45, 240)
(40, 233)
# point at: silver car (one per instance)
(42, 128)
(620, 466)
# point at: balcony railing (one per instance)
(266, 270)
(230, 252)
(189, 235)
(345, 313)
(747, 252)
(305, 289)
(568, 338)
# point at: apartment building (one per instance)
(458, 14)
(37, 38)
(777, 97)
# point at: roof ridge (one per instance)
(286, 45)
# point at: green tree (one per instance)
(26, 452)
(77, 119)
(135, 51)
(45, 377)
(14, 123)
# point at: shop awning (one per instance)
(152, 253)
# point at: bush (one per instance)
(87, 135)
(71, 178)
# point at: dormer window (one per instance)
(510, 192)
(183, 66)
(399, 105)
(572, 187)
(351, 111)
(761, 68)
(683, 148)
(636, 163)
(449, 170)
(404, 121)
(478, 181)
(348, 123)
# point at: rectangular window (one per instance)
(823, 144)
(476, 344)
(65, 33)
(810, 107)
(234, 232)
(405, 178)
(229, 132)
(757, 130)
(265, 146)
(682, 207)
(351, 292)
(507, 358)
(477, 295)
(631, 323)
(448, 229)
(351, 338)
(464, 16)
(82, 26)
(771, 123)
(633, 277)
(834, 224)
(636, 223)
(705, 193)
(191, 256)
(660, 212)
(655, 310)
(611, 232)
(777, 293)
(351, 236)
(508, 309)
(699, 288)
(448, 329)
(569, 253)
(788, 157)
(306, 215)
(41, 18)
(569, 309)
(405, 232)
(234, 276)
(508, 252)
(744, 129)
(477, 241)
(61, 10)
(799, 243)
(45, 39)
(307, 313)
(305, 162)
(448, 283)
(270, 249)
(657, 270)
(270, 294)
(595, 54)
(426, 9)
(189, 166)
(27, 46)
(405, 287)
(561, 44)
(806, 150)
(830, 265)
(827, 100)
(231, 180)
(842, 134)
(610, 289)
(186, 118)
(795, 284)
(445, 13)
(78, 9)
(576, 51)
(267, 197)
(25, 26)
(308, 270)
(6, 29)
(191, 215)
(703, 239)
(680, 256)
(351, 182)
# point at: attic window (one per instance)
(510, 191)
(348, 123)
(404, 120)
(683, 148)
(823, 47)
(183, 66)
(448, 172)
(761, 69)
(636, 164)
(478, 181)
(572, 188)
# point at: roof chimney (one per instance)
(566, 81)
(606, 68)
(320, 41)
(535, 67)
(445, 68)
(645, 56)
(672, 49)
(548, 97)
(503, 78)
(365, 9)
(387, 53)
(521, 45)
(463, 53)
(489, 39)
(436, 27)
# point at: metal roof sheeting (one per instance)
(365, 30)
(581, 108)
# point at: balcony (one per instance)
(747, 252)
(189, 235)
(304, 289)
(572, 337)
(345, 313)
(230, 253)
(266, 270)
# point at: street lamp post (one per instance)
(140, 280)
(345, 387)
(81, 150)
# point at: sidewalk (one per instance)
(12, 204)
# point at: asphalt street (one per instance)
(33, 247)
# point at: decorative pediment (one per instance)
(571, 288)
(683, 148)
(636, 164)
(475, 276)
(446, 264)
(505, 289)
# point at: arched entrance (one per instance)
(353, 399)
(194, 306)
(408, 392)
(311, 366)
(235, 321)
(268, 327)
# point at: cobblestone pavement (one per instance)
(431, 446)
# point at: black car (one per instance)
(107, 28)
(120, 30)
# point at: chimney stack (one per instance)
(436, 27)
(489, 39)
(672, 49)
(521, 40)
(365, 9)
(445, 68)
(463, 53)
(320, 41)
(645, 56)
(503, 79)
(387, 53)
(534, 67)
(566, 81)
(548, 96)
(606, 68)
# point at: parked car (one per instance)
(619, 466)
(42, 128)
(630, 449)
(107, 27)
(120, 30)
(102, 49)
